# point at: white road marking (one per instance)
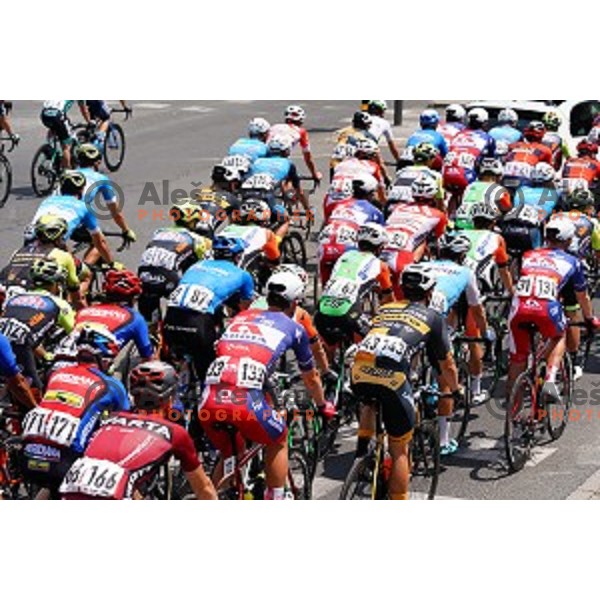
(200, 109)
(588, 490)
(153, 105)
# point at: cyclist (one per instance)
(487, 188)
(584, 166)
(341, 230)
(237, 381)
(382, 366)
(455, 122)
(525, 155)
(196, 308)
(411, 225)
(56, 432)
(348, 138)
(16, 384)
(255, 145)
(262, 188)
(171, 251)
(560, 149)
(128, 450)
(55, 119)
(99, 185)
(33, 318)
(541, 192)
(49, 242)
(117, 314)
(70, 206)
(340, 313)
(424, 155)
(293, 130)
(456, 294)
(586, 240)
(100, 112)
(5, 124)
(506, 131)
(381, 127)
(429, 121)
(545, 275)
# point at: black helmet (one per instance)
(88, 155)
(417, 280)
(361, 120)
(152, 384)
(72, 183)
(50, 228)
(46, 270)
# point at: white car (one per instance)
(577, 115)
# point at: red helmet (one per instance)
(535, 131)
(587, 148)
(125, 284)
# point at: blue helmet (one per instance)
(429, 118)
(226, 248)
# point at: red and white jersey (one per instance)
(409, 225)
(295, 133)
(354, 167)
(450, 130)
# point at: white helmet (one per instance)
(502, 148)
(286, 285)
(367, 147)
(238, 161)
(543, 173)
(477, 117)
(340, 189)
(457, 244)
(455, 113)
(491, 165)
(259, 181)
(364, 183)
(374, 234)
(279, 143)
(424, 186)
(255, 210)
(508, 115)
(294, 113)
(295, 270)
(258, 126)
(484, 210)
(561, 229)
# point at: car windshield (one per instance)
(582, 115)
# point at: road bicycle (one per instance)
(6, 169)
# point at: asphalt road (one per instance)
(179, 142)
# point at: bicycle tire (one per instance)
(462, 413)
(46, 169)
(358, 484)
(5, 179)
(425, 460)
(518, 440)
(293, 249)
(114, 129)
(560, 409)
(299, 479)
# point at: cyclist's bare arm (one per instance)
(506, 279)
(586, 305)
(393, 148)
(20, 391)
(99, 242)
(310, 164)
(117, 216)
(312, 381)
(201, 485)
(319, 355)
(85, 112)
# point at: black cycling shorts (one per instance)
(337, 329)
(397, 409)
(57, 123)
(98, 109)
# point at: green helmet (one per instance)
(552, 120)
(88, 154)
(72, 183)
(187, 213)
(46, 270)
(50, 228)
(424, 152)
(377, 106)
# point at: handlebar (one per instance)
(316, 183)
(125, 242)
(128, 112)
(14, 142)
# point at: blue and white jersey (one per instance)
(250, 147)
(74, 211)
(506, 134)
(452, 281)
(431, 136)
(276, 166)
(98, 183)
(542, 198)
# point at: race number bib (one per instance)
(343, 151)
(398, 240)
(466, 160)
(195, 297)
(517, 169)
(346, 235)
(342, 289)
(251, 374)
(215, 371)
(439, 302)
(159, 257)
(407, 154)
(54, 426)
(538, 286)
(400, 193)
(464, 211)
(529, 214)
(384, 346)
(14, 330)
(93, 477)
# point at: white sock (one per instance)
(278, 493)
(551, 373)
(476, 384)
(444, 431)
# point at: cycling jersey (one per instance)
(522, 227)
(449, 130)
(8, 362)
(16, 273)
(75, 212)
(430, 136)
(209, 284)
(250, 147)
(521, 160)
(557, 146)
(452, 281)
(280, 168)
(488, 249)
(339, 191)
(582, 167)
(506, 133)
(466, 151)
(124, 322)
(355, 211)
(347, 140)
(301, 316)
(381, 127)
(544, 199)
(258, 240)
(63, 106)
(402, 187)
(295, 133)
(351, 168)
(409, 225)
(587, 232)
(98, 185)
(481, 191)
(125, 455)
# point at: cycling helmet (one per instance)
(46, 270)
(377, 106)
(455, 113)
(258, 126)
(50, 228)
(261, 181)
(429, 118)
(364, 184)
(362, 120)
(560, 229)
(367, 148)
(477, 118)
(254, 211)
(226, 248)
(96, 343)
(187, 213)
(295, 114)
(502, 149)
(222, 174)
(72, 183)
(417, 278)
(594, 135)
(340, 189)
(88, 154)
(424, 152)
(295, 270)
(543, 173)
(552, 120)
(535, 131)
(279, 144)
(580, 199)
(491, 166)
(286, 285)
(587, 148)
(122, 284)
(484, 210)
(455, 244)
(237, 162)
(373, 234)
(152, 384)
(507, 116)
(424, 187)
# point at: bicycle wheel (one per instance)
(425, 461)
(5, 179)
(361, 479)
(299, 481)
(293, 249)
(557, 409)
(518, 425)
(461, 415)
(44, 170)
(114, 147)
